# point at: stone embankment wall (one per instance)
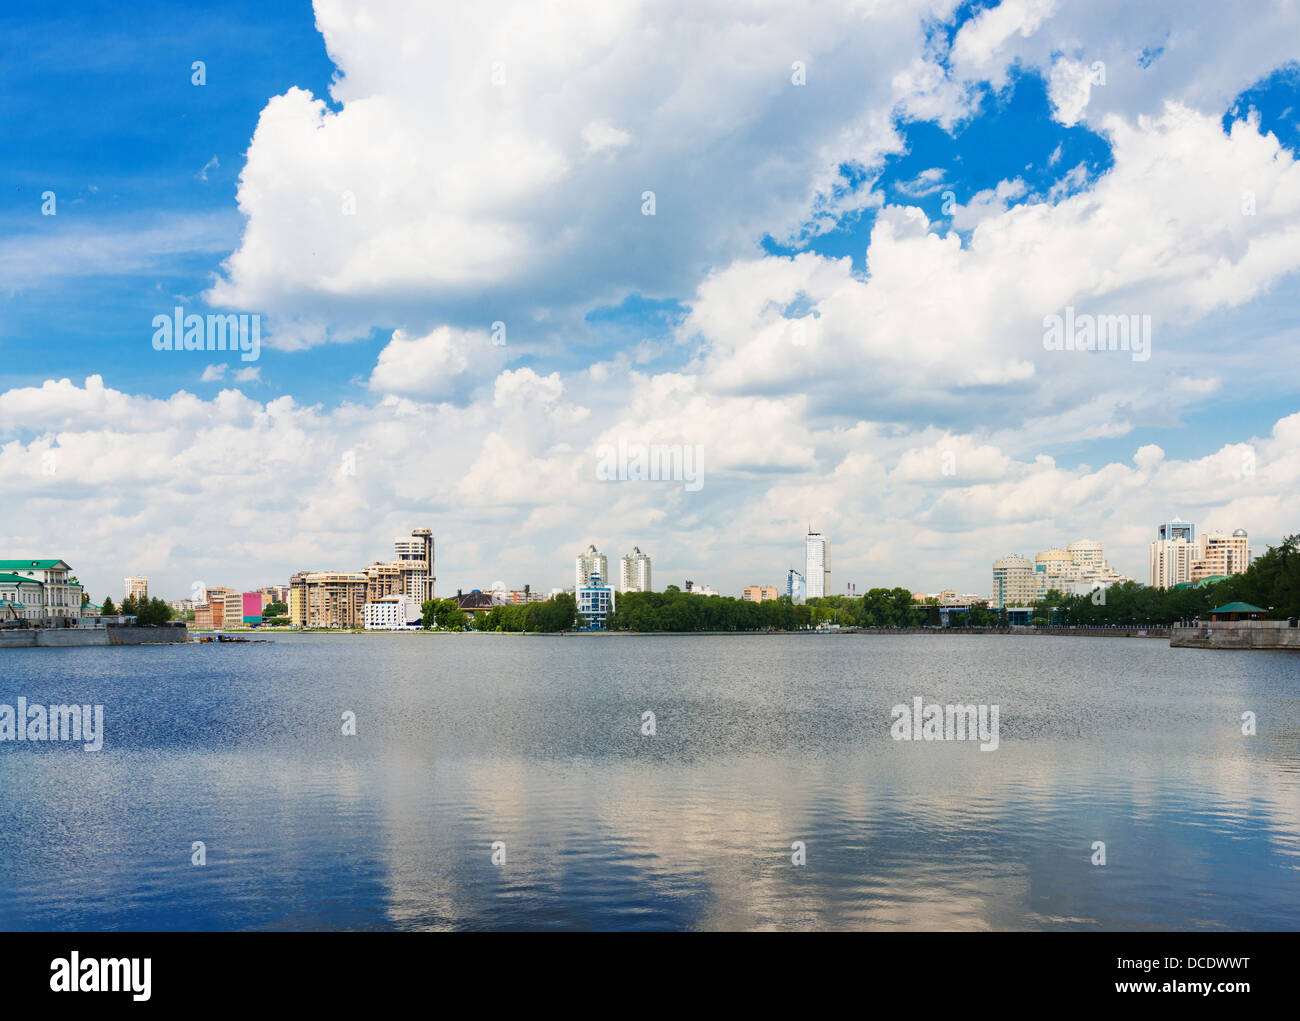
(79, 637)
(1245, 634)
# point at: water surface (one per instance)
(465, 740)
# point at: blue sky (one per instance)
(956, 158)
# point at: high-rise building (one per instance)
(1171, 556)
(410, 573)
(138, 586)
(1079, 568)
(592, 561)
(636, 571)
(817, 564)
(1014, 582)
(1220, 554)
(1177, 529)
(328, 599)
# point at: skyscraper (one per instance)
(588, 563)
(1172, 554)
(137, 586)
(817, 564)
(636, 571)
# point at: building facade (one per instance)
(636, 571)
(587, 564)
(410, 573)
(595, 602)
(758, 593)
(328, 599)
(392, 613)
(137, 586)
(212, 612)
(1171, 562)
(60, 595)
(1014, 582)
(1218, 553)
(817, 564)
(1079, 568)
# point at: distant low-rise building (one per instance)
(474, 602)
(758, 593)
(211, 611)
(392, 613)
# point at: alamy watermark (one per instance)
(1087, 332)
(934, 722)
(652, 462)
(213, 332)
(36, 722)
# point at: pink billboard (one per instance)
(252, 608)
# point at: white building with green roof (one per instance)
(36, 589)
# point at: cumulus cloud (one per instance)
(514, 176)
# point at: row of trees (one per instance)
(1272, 583)
(675, 610)
(145, 611)
(559, 613)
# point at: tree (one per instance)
(427, 612)
(274, 608)
(108, 607)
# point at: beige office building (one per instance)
(1217, 553)
(410, 573)
(328, 599)
(1014, 582)
(758, 593)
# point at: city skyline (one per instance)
(874, 309)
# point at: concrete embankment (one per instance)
(79, 637)
(1244, 634)
(1128, 631)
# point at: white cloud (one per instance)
(395, 210)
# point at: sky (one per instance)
(811, 252)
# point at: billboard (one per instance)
(252, 607)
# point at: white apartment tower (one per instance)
(636, 571)
(587, 564)
(1171, 562)
(138, 586)
(817, 564)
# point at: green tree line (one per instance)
(1272, 582)
(559, 613)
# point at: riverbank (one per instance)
(1242, 634)
(82, 637)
